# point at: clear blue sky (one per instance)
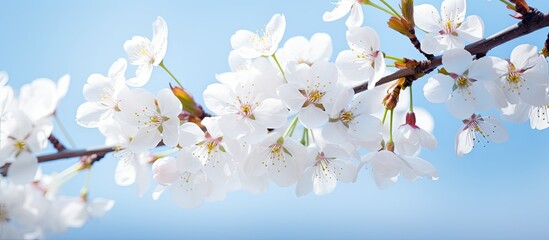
(496, 192)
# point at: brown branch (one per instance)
(520, 29)
(99, 152)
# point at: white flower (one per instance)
(524, 77)
(448, 30)
(205, 151)
(101, 94)
(20, 139)
(244, 109)
(40, 98)
(155, 118)
(16, 217)
(278, 158)
(324, 168)
(387, 167)
(364, 61)
(351, 120)
(75, 211)
(310, 91)
(252, 45)
(462, 89)
(308, 51)
(479, 129)
(188, 188)
(409, 137)
(342, 8)
(146, 53)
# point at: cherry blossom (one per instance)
(244, 108)
(364, 61)
(342, 8)
(387, 166)
(351, 121)
(481, 130)
(188, 188)
(155, 118)
(40, 98)
(278, 157)
(101, 94)
(525, 76)
(310, 91)
(307, 51)
(462, 87)
(147, 53)
(409, 137)
(324, 168)
(449, 29)
(252, 45)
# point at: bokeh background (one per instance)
(495, 192)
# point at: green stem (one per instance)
(279, 67)
(397, 59)
(384, 116)
(64, 131)
(391, 127)
(305, 137)
(291, 128)
(392, 9)
(411, 100)
(509, 5)
(168, 71)
(390, 65)
(380, 8)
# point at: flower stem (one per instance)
(291, 128)
(411, 100)
(305, 137)
(392, 9)
(64, 131)
(166, 153)
(279, 67)
(509, 5)
(381, 8)
(391, 127)
(397, 59)
(384, 116)
(168, 71)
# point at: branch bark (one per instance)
(520, 29)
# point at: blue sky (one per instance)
(496, 192)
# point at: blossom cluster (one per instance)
(284, 113)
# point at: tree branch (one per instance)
(520, 29)
(480, 47)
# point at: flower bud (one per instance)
(186, 100)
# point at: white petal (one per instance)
(472, 29)
(457, 60)
(165, 170)
(291, 96)
(493, 130)
(98, 207)
(170, 132)
(271, 113)
(464, 141)
(145, 139)
(160, 39)
(453, 10)
(462, 103)
(349, 67)
(168, 103)
(524, 56)
(190, 134)
(90, 114)
(426, 17)
(356, 17)
(432, 43)
(341, 9)
(142, 76)
(312, 117)
(417, 167)
(438, 88)
(23, 169)
(124, 174)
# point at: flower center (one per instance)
(19, 145)
(462, 82)
(346, 117)
(315, 96)
(246, 110)
(513, 77)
